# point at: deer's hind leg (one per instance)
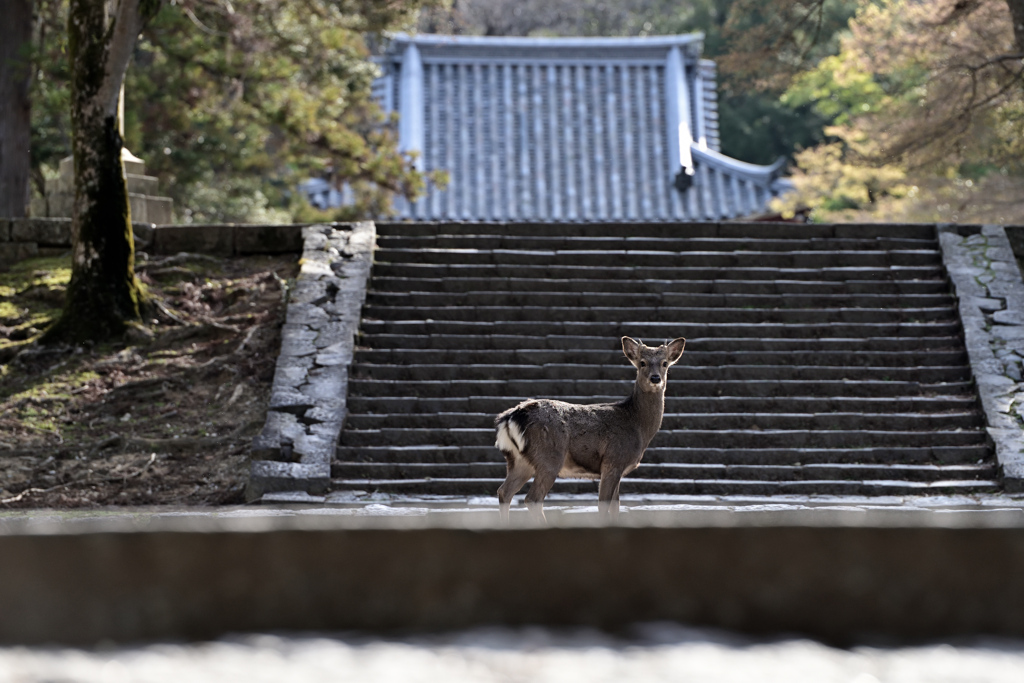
(518, 472)
(548, 458)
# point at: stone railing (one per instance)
(308, 399)
(983, 266)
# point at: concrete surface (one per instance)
(837, 572)
(651, 653)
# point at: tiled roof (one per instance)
(567, 129)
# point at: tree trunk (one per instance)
(15, 124)
(103, 295)
(1017, 13)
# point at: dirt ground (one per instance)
(164, 418)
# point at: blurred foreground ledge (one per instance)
(835, 574)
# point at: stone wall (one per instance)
(983, 264)
(22, 238)
(308, 399)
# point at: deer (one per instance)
(546, 438)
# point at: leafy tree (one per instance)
(249, 89)
(273, 91)
(935, 86)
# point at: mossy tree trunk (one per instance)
(103, 296)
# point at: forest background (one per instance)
(888, 110)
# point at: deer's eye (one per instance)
(643, 364)
(664, 364)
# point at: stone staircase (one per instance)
(821, 359)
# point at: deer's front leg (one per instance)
(608, 491)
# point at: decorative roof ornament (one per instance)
(567, 129)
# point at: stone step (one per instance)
(942, 454)
(492, 241)
(654, 300)
(749, 229)
(585, 285)
(822, 359)
(900, 421)
(695, 355)
(678, 487)
(566, 344)
(597, 314)
(715, 387)
(766, 473)
(662, 259)
(412, 405)
(679, 373)
(645, 329)
(692, 438)
(419, 268)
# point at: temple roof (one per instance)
(567, 129)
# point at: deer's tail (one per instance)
(511, 427)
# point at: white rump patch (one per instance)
(510, 438)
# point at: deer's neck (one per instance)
(647, 408)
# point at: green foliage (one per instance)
(928, 100)
(837, 88)
(759, 127)
(231, 104)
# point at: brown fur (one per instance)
(545, 439)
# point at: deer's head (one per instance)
(652, 362)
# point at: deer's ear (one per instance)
(675, 350)
(631, 347)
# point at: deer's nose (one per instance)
(655, 379)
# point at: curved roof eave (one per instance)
(520, 41)
(720, 160)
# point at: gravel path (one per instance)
(651, 652)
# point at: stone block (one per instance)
(307, 315)
(332, 333)
(142, 184)
(1008, 333)
(266, 476)
(315, 449)
(5, 230)
(335, 354)
(50, 232)
(297, 340)
(328, 382)
(289, 400)
(314, 267)
(268, 239)
(1010, 453)
(1001, 252)
(159, 210)
(329, 417)
(1013, 316)
(295, 497)
(60, 204)
(992, 230)
(289, 375)
(12, 252)
(202, 239)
